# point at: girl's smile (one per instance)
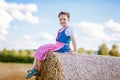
(63, 19)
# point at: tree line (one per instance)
(19, 52)
(103, 50)
(26, 56)
(21, 56)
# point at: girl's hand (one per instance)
(74, 52)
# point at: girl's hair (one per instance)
(65, 13)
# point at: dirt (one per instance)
(14, 71)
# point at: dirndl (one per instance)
(42, 51)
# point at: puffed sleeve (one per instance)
(69, 31)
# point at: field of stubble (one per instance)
(14, 71)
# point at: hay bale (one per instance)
(80, 67)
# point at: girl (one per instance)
(65, 35)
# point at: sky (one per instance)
(28, 24)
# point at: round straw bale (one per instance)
(58, 66)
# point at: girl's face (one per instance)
(63, 19)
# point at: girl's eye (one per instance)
(62, 19)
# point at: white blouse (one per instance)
(69, 31)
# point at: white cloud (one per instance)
(28, 42)
(31, 18)
(92, 30)
(12, 11)
(111, 24)
(20, 11)
(27, 16)
(2, 38)
(5, 19)
(27, 37)
(20, 44)
(92, 35)
(115, 37)
(46, 36)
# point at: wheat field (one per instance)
(14, 71)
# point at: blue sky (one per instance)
(27, 24)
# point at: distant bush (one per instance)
(21, 56)
(15, 58)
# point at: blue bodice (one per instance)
(62, 37)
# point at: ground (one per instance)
(14, 71)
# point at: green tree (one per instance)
(22, 53)
(30, 53)
(12, 52)
(114, 51)
(81, 50)
(90, 52)
(103, 50)
(5, 51)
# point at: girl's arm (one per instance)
(74, 43)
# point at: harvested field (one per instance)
(14, 71)
(67, 67)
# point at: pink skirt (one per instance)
(42, 51)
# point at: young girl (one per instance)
(65, 35)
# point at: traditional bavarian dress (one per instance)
(62, 44)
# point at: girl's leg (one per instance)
(35, 64)
(39, 65)
(34, 70)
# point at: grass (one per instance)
(14, 71)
